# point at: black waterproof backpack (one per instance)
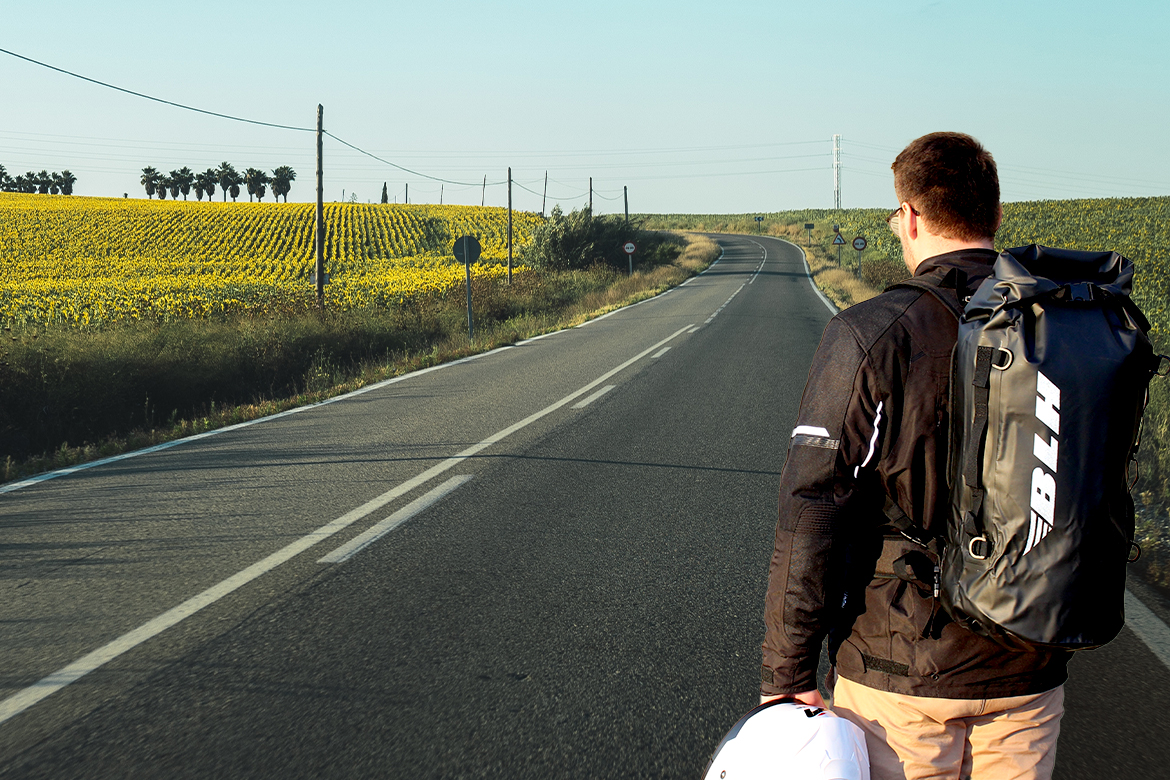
(1049, 382)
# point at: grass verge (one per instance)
(69, 397)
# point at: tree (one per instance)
(229, 179)
(67, 182)
(5, 182)
(255, 180)
(282, 179)
(205, 182)
(149, 180)
(181, 181)
(385, 195)
(44, 182)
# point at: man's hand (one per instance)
(811, 698)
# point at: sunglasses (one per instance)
(895, 218)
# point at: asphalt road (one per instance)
(564, 562)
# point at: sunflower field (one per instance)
(94, 262)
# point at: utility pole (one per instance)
(591, 196)
(626, 199)
(837, 171)
(319, 237)
(483, 197)
(509, 225)
(544, 197)
(408, 193)
(441, 194)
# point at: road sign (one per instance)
(859, 244)
(467, 249)
(629, 247)
(838, 239)
(809, 226)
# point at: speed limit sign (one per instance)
(859, 244)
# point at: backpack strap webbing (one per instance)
(951, 281)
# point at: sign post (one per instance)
(467, 251)
(808, 226)
(629, 248)
(838, 241)
(759, 223)
(859, 244)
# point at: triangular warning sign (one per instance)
(837, 239)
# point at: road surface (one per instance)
(548, 561)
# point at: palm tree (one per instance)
(205, 182)
(149, 180)
(282, 179)
(55, 183)
(4, 180)
(228, 177)
(67, 182)
(255, 179)
(44, 182)
(164, 183)
(182, 180)
(235, 191)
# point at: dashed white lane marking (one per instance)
(763, 260)
(660, 353)
(47, 686)
(693, 330)
(724, 306)
(377, 531)
(582, 404)
(1148, 626)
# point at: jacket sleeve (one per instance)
(827, 487)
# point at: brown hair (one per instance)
(951, 180)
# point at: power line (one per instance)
(408, 170)
(151, 97)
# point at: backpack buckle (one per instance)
(979, 548)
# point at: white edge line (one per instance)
(22, 700)
(378, 530)
(196, 437)
(1149, 627)
(808, 272)
(368, 388)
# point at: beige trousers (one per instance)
(919, 737)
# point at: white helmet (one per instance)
(783, 739)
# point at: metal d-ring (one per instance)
(971, 547)
(1010, 359)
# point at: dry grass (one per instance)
(613, 293)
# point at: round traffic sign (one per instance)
(859, 243)
(466, 249)
(629, 247)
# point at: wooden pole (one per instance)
(319, 242)
(544, 197)
(591, 196)
(441, 194)
(483, 197)
(509, 225)
(626, 199)
(408, 193)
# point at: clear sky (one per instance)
(696, 107)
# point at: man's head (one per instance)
(948, 190)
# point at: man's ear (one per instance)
(912, 224)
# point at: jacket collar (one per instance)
(963, 258)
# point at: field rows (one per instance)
(98, 261)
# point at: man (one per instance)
(868, 455)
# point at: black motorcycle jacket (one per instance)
(871, 443)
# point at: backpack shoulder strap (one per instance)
(950, 302)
